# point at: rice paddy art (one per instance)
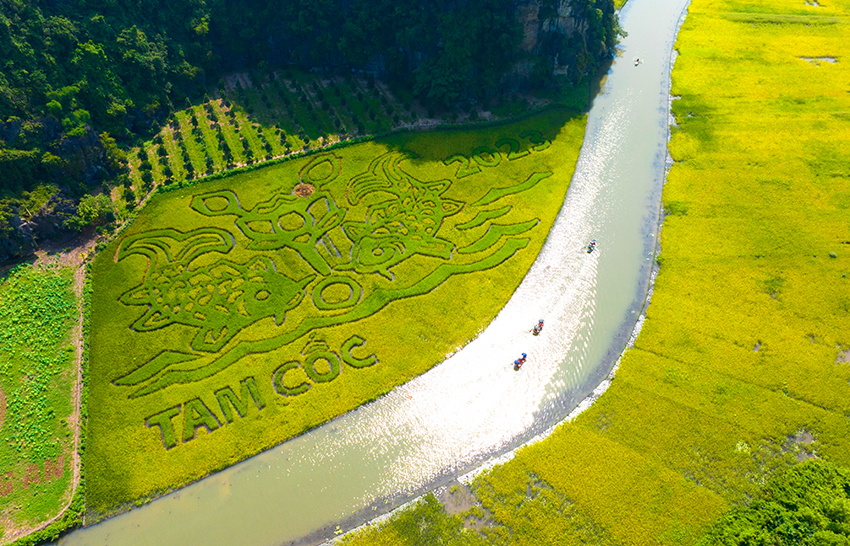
(224, 297)
(238, 313)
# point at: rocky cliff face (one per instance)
(563, 37)
(75, 164)
(24, 235)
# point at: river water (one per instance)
(473, 406)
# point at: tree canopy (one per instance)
(808, 505)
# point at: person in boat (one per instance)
(520, 361)
(539, 328)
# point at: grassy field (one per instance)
(237, 313)
(741, 369)
(37, 375)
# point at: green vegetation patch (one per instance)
(806, 505)
(37, 377)
(425, 522)
(238, 313)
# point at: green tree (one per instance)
(92, 211)
(808, 505)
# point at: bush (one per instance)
(808, 505)
(92, 211)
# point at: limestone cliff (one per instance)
(566, 38)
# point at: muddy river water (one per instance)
(474, 406)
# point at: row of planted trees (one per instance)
(249, 122)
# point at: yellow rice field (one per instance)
(741, 368)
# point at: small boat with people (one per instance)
(537, 328)
(519, 361)
(592, 246)
(637, 61)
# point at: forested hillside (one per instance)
(83, 79)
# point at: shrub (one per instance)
(92, 211)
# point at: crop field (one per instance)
(261, 116)
(37, 375)
(742, 366)
(237, 313)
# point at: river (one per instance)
(473, 406)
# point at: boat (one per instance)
(519, 361)
(537, 327)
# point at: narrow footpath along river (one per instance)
(473, 406)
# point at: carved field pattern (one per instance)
(246, 305)
(222, 298)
